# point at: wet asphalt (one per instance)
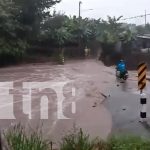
(124, 106)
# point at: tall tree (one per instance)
(10, 44)
(32, 14)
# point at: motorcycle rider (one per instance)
(121, 68)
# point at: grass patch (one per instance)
(76, 140)
(18, 139)
(129, 143)
(80, 141)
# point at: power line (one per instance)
(136, 17)
(80, 9)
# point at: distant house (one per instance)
(143, 43)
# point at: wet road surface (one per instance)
(124, 105)
(100, 106)
(89, 78)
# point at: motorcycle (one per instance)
(122, 75)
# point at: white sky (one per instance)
(102, 8)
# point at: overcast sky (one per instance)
(102, 8)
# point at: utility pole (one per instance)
(145, 18)
(79, 38)
(80, 9)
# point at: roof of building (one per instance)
(145, 36)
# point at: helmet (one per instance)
(121, 60)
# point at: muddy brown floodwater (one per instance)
(84, 107)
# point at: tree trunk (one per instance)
(61, 56)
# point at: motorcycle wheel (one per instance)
(124, 78)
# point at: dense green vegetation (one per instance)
(25, 24)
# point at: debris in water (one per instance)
(103, 95)
(124, 108)
(95, 104)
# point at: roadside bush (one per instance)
(17, 139)
(11, 51)
(77, 141)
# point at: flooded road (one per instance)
(57, 97)
(82, 94)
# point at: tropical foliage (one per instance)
(26, 23)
